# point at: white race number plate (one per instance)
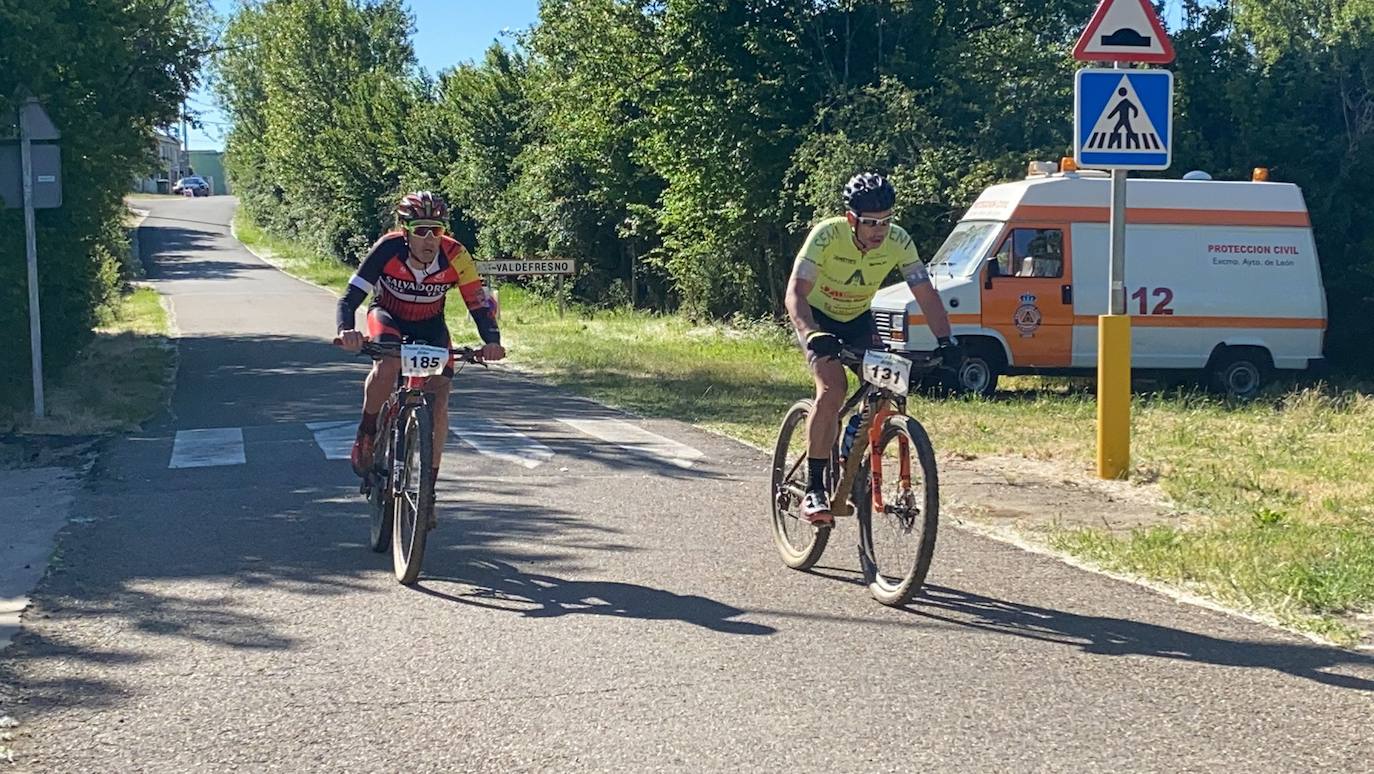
(420, 360)
(886, 370)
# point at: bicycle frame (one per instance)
(409, 391)
(878, 405)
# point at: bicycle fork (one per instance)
(882, 411)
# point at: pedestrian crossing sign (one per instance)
(1123, 119)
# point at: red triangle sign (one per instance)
(1124, 31)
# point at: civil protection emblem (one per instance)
(1027, 318)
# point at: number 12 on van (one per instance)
(1165, 296)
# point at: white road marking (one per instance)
(637, 439)
(335, 439)
(207, 448)
(500, 441)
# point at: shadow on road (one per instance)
(497, 585)
(1105, 636)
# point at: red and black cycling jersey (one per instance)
(414, 294)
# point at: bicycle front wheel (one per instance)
(897, 540)
(414, 498)
(799, 543)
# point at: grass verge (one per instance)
(117, 381)
(1282, 488)
(292, 257)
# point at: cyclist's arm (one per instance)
(803, 279)
(806, 270)
(932, 306)
(926, 296)
(475, 297)
(363, 281)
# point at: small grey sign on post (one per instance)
(39, 177)
(46, 178)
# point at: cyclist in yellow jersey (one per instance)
(838, 271)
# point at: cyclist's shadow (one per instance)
(497, 585)
(1109, 636)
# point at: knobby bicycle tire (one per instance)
(802, 554)
(888, 588)
(415, 440)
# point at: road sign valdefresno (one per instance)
(1124, 31)
(509, 266)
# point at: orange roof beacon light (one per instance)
(1260, 175)
(1067, 164)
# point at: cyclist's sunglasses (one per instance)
(425, 229)
(863, 221)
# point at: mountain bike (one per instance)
(400, 484)
(887, 478)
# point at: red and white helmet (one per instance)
(421, 205)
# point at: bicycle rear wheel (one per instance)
(800, 544)
(381, 505)
(414, 499)
(897, 544)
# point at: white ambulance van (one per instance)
(1221, 280)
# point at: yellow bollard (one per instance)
(1113, 395)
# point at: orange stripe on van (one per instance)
(1179, 321)
(1160, 216)
(954, 319)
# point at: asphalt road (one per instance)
(591, 600)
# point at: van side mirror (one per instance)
(988, 275)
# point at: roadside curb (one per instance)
(36, 548)
(135, 244)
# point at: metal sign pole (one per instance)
(1114, 349)
(1117, 278)
(31, 251)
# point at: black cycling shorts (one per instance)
(858, 334)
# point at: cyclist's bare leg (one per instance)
(381, 381)
(439, 387)
(822, 427)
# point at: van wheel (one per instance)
(978, 373)
(1240, 375)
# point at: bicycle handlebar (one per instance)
(920, 361)
(380, 349)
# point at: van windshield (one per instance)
(963, 251)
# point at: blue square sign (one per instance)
(1123, 119)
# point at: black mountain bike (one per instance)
(400, 485)
(889, 473)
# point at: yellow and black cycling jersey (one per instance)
(847, 279)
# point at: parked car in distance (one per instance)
(195, 183)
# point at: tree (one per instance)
(108, 72)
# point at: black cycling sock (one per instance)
(369, 424)
(815, 469)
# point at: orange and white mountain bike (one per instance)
(888, 479)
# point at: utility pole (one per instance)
(185, 144)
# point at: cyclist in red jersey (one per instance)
(408, 273)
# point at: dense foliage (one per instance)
(691, 141)
(107, 72)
